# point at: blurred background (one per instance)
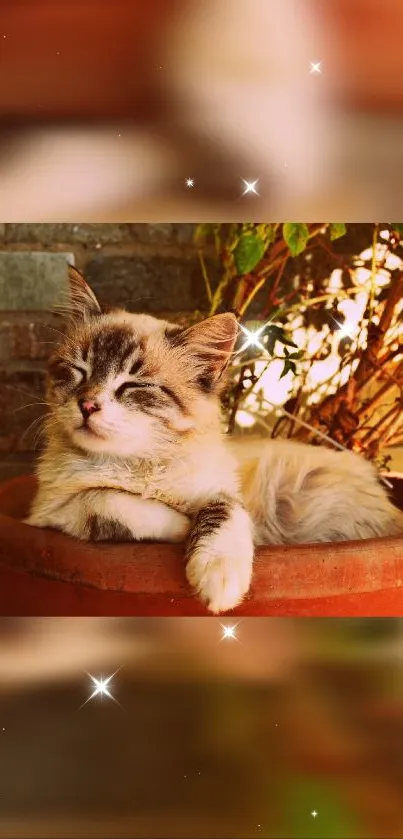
(291, 729)
(106, 110)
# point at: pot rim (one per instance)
(294, 572)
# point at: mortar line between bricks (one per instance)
(84, 254)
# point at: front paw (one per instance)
(220, 576)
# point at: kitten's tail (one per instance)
(294, 497)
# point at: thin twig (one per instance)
(205, 276)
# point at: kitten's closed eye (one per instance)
(80, 372)
(63, 371)
(132, 386)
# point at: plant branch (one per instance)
(205, 276)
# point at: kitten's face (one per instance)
(131, 385)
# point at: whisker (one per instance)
(66, 338)
(31, 425)
(29, 405)
(20, 390)
(45, 427)
(37, 438)
(58, 332)
(39, 433)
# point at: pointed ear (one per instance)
(82, 303)
(208, 346)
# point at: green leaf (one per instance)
(295, 236)
(286, 341)
(272, 335)
(282, 337)
(337, 230)
(271, 342)
(398, 227)
(276, 333)
(248, 252)
(288, 366)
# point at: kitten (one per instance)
(134, 443)
(135, 450)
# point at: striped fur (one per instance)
(151, 461)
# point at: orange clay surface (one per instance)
(43, 572)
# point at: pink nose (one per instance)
(88, 407)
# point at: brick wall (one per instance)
(145, 267)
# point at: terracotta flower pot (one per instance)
(43, 572)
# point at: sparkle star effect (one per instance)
(101, 688)
(316, 67)
(189, 183)
(314, 814)
(253, 338)
(346, 330)
(229, 632)
(250, 187)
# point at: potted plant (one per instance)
(320, 360)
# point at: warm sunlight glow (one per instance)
(326, 374)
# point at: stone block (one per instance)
(31, 281)
(148, 285)
(58, 233)
(163, 234)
